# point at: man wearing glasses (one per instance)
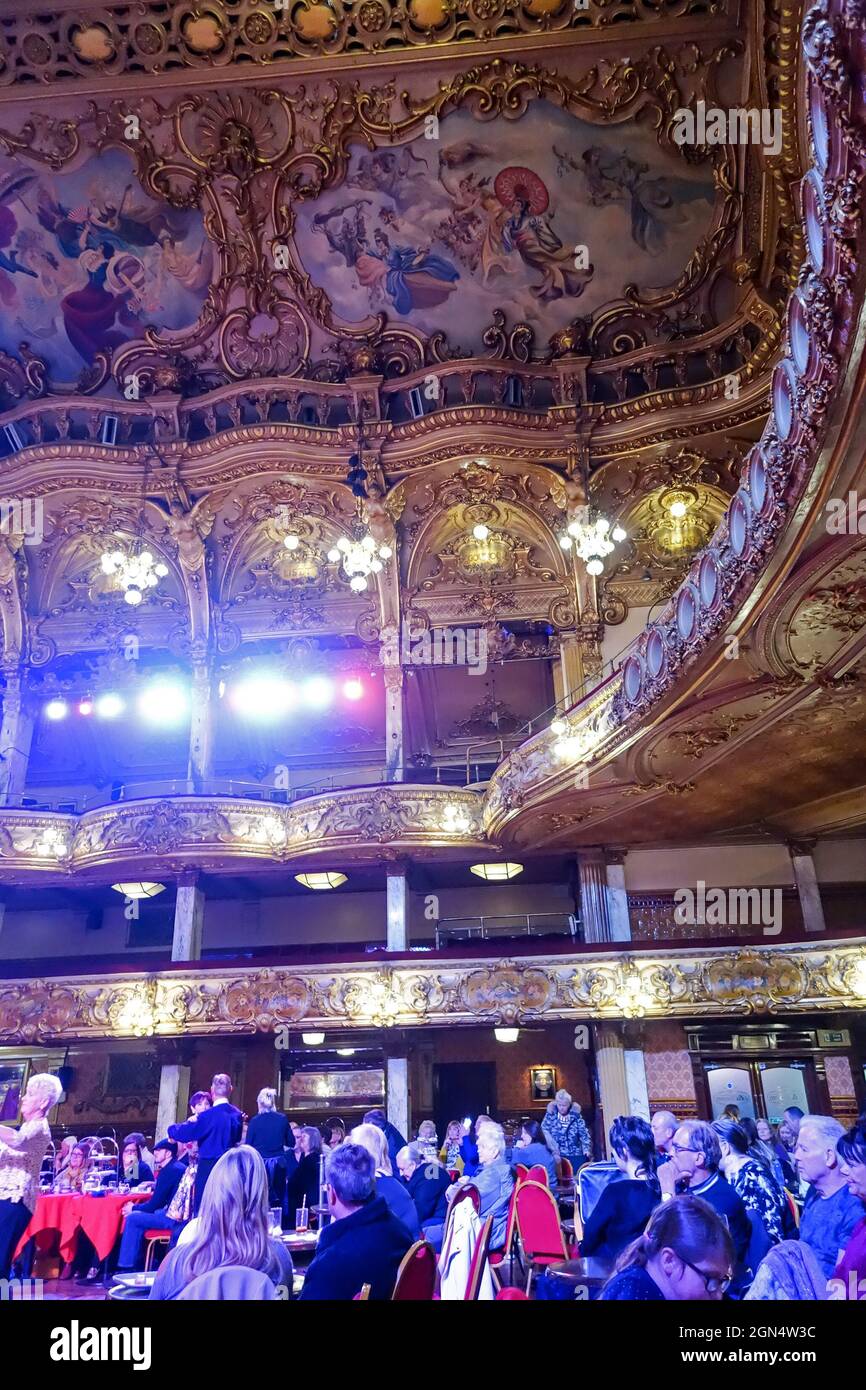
(694, 1168)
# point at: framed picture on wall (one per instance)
(542, 1083)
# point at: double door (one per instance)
(762, 1089)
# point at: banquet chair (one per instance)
(541, 1235)
(566, 1170)
(538, 1173)
(521, 1172)
(498, 1257)
(511, 1295)
(416, 1277)
(795, 1210)
(479, 1258)
(154, 1238)
(232, 1283)
(363, 1295)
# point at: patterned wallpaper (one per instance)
(670, 1084)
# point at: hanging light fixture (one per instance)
(496, 873)
(320, 882)
(133, 570)
(589, 534)
(506, 1035)
(312, 1039)
(360, 556)
(138, 890)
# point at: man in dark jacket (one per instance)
(215, 1131)
(144, 1216)
(426, 1182)
(364, 1242)
(394, 1138)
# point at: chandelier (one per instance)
(360, 556)
(133, 572)
(592, 540)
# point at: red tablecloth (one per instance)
(60, 1215)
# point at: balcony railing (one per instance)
(505, 927)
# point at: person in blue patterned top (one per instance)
(565, 1130)
(750, 1178)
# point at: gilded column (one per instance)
(808, 890)
(594, 912)
(188, 919)
(394, 723)
(397, 907)
(397, 1098)
(613, 1088)
(617, 897)
(16, 737)
(201, 728)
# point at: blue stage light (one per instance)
(109, 706)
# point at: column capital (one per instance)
(801, 849)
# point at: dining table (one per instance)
(59, 1216)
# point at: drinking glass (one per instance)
(302, 1218)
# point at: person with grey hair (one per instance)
(364, 1242)
(21, 1153)
(426, 1182)
(664, 1126)
(566, 1130)
(695, 1169)
(831, 1211)
(494, 1181)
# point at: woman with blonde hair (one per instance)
(269, 1133)
(371, 1138)
(450, 1154)
(21, 1154)
(232, 1229)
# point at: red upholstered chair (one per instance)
(538, 1173)
(416, 1277)
(478, 1261)
(541, 1235)
(521, 1172)
(364, 1294)
(512, 1295)
(498, 1257)
(454, 1174)
(795, 1210)
(154, 1238)
(566, 1170)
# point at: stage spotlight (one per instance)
(56, 709)
(318, 692)
(353, 690)
(85, 707)
(263, 697)
(163, 703)
(109, 706)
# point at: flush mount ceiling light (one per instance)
(320, 882)
(345, 1051)
(496, 873)
(139, 890)
(312, 1039)
(506, 1035)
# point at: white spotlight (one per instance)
(318, 692)
(109, 706)
(263, 697)
(163, 703)
(56, 709)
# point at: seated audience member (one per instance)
(624, 1208)
(731, 1112)
(74, 1175)
(428, 1140)
(695, 1167)
(333, 1134)
(664, 1126)
(152, 1214)
(684, 1254)
(750, 1179)
(831, 1211)
(131, 1167)
(393, 1137)
(762, 1150)
(781, 1141)
(495, 1183)
(849, 1276)
(788, 1272)
(387, 1186)
(427, 1183)
(469, 1144)
(531, 1148)
(232, 1228)
(61, 1158)
(364, 1242)
(302, 1186)
(269, 1134)
(450, 1154)
(566, 1132)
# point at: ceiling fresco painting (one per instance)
(517, 214)
(88, 261)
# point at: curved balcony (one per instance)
(158, 835)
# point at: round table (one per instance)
(62, 1214)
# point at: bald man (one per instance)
(664, 1127)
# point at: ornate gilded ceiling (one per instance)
(467, 241)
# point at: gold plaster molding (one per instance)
(213, 831)
(193, 1002)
